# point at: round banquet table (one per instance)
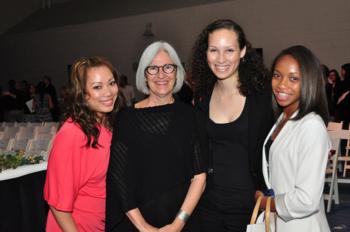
(23, 208)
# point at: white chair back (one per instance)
(334, 126)
(17, 144)
(331, 171)
(10, 131)
(4, 144)
(39, 147)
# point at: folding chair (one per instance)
(17, 144)
(333, 193)
(334, 126)
(346, 158)
(39, 147)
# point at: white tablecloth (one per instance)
(22, 170)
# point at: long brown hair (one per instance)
(77, 108)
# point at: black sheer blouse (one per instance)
(155, 153)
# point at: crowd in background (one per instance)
(337, 90)
(22, 101)
(44, 104)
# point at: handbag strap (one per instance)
(267, 214)
(256, 210)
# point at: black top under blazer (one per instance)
(261, 119)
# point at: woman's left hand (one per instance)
(170, 228)
(263, 201)
(175, 226)
(258, 194)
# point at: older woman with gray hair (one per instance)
(157, 168)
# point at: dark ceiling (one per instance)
(84, 11)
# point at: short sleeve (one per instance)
(200, 163)
(200, 144)
(64, 172)
(120, 176)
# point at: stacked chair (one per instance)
(32, 138)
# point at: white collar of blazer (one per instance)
(265, 164)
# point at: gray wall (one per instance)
(321, 25)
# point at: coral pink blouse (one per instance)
(76, 178)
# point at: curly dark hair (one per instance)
(77, 109)
(253, 76)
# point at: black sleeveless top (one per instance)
(267, 148)
(232, 188)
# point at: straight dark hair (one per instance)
(313, 94)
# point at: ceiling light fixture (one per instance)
(148, 32)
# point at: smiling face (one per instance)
(223, 54)
(161, 85)
(102, 90)
(286, 84)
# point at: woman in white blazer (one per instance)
(296, 150)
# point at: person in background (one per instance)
(344, 80)
(186, 93)
(25, 86)
(40, 104)
(345, 72)
(296, 149)
(332, 91)
(75, 186)
(63, 99)
(127, 90)
(343, 102)
(2, 105)
(156, 172)
(233, 97)
(15, 102)
(51, 90)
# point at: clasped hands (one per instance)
(173, 227)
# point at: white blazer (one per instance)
(296, 172)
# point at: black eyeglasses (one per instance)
(167, 68)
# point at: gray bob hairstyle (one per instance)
(148, 55)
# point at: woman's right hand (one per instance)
(64, 220)
(139, 221)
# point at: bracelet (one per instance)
(269, 192)
(182, 215)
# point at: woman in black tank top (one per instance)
(234, 104)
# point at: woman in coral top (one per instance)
(75, 181)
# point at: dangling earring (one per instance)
(243, 59)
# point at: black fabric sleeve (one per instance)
(120, 183)
(200, 160)
(200, 110)
(120, 179)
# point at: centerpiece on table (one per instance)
(13, 160)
